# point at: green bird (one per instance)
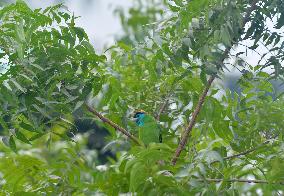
(148, 129)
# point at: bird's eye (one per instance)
(138, 115)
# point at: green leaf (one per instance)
(18, 86)
(22, 137)
(212, 156)
(280, 21)
(42, 111)
(174, 8)
(88, 46)
(3, 124)
(226, 38)
(78, 105)
(27, 127)
(5, 140)
(12, 144)
(222, 129)
(80, 33)
(138, 176)
(34, 137)
(20, 34)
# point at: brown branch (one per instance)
(114, 125)
(240, 180)
(162, 108)
(193, 120)
(201, 100)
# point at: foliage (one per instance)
(49, 71)
(165, 58)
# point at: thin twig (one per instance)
(247, 47)
(243, 153)
(240, 180)
(201, 100)
(114, 125)
(246, 152)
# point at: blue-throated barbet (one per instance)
(148, 129)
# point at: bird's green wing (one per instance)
(160, 134)
(150, 132)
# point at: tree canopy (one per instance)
(170, 62)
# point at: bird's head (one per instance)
(139, 116)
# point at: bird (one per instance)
(149, 130)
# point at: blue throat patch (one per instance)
(140, 119)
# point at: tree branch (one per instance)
(243, 153)
(246, 152)
(202, 97)
(114, 125)
(162, 108)
(188, 129)
(240, 180)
